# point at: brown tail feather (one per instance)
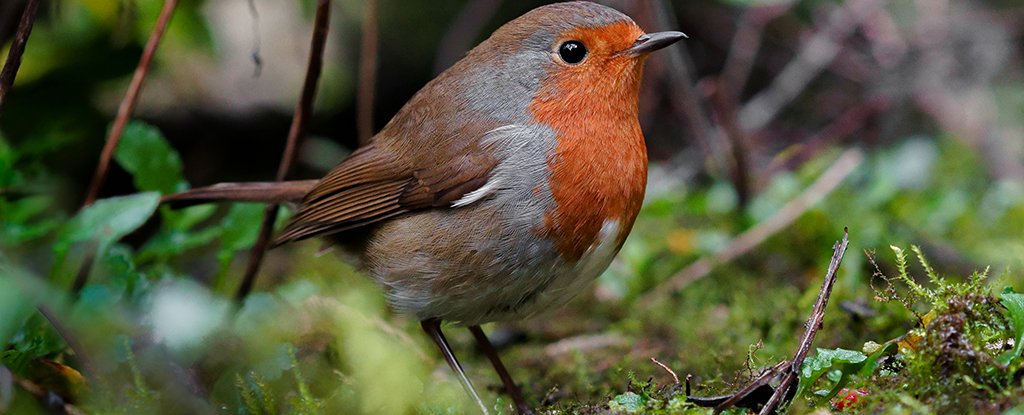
(266, 192)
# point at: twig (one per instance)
(811, 327)
(367, 70)
(10, 70)
(667, 369)
(297, 132)
(756, 391)
(463, 30)
(813, 58)
(746, 397)
(127, 107)
(825, 184)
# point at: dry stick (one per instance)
(667, 369)
(10, 70)
(763, 379)
(811, 327)
(127, 107)
(367, 71)
(463, 31)
(303, 109)
(813, 58)
(825, 184)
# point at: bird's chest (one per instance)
(595, 182)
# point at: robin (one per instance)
(502, 188)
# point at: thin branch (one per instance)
(131, 98)
(297, 132)
(814, 56)
(746, 397)
(812, 326)
(667, 369)
(756, 392)
(368, 70)
(825, 184)
(10, 70)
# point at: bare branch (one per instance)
(812, 326)
(297, 132)
(10, 70)
(667, 369)
(131, 98)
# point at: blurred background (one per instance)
(772, 127)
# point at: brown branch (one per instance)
(297, 132)
(667, 369)
(10, 70)
(755, 393)
(791, 378)
(131, 98)
(825, 184)
(367, 70)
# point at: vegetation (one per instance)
(127, 306)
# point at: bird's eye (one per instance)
(572, 52)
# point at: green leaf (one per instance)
(145, 154)
(846, 362)
(1014, 304)
(627, 402)
(108, 220)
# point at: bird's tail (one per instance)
(265, 192)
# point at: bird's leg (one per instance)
(433, 328)
(492, 355)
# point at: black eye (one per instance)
(572, 52)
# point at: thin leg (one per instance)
(492, 355)
(433, 328)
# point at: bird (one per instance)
(501, 189)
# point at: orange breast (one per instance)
(599, 168)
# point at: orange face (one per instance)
(599, 169)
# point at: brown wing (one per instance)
(376, 183)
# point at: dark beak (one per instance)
(650, 42)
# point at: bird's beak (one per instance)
(650, 42)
